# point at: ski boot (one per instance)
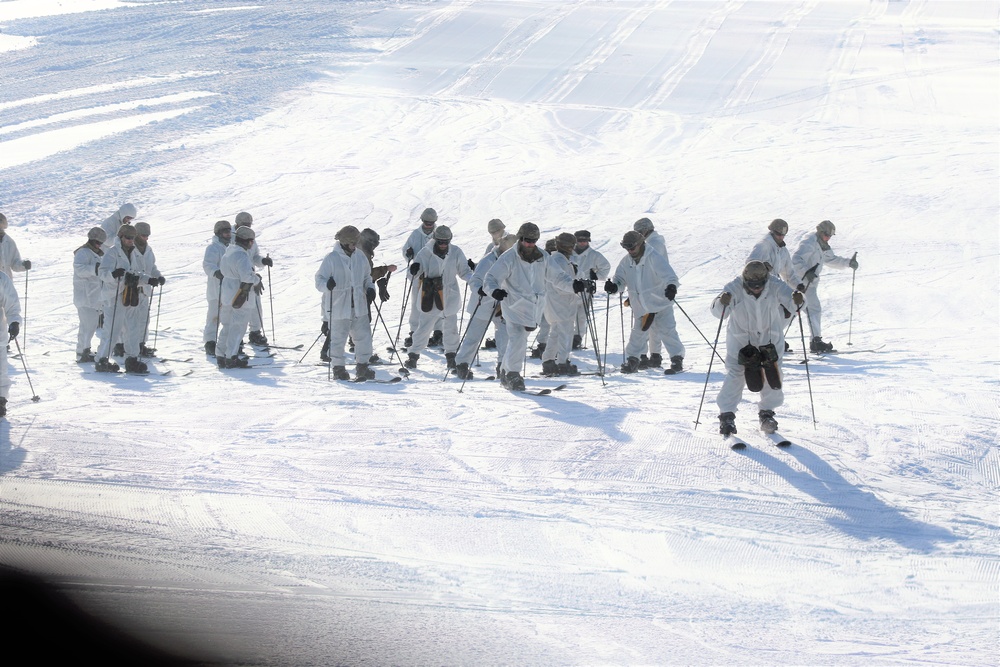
(238, 361)
(146, 351)
(411, 360)
(550, 367)
(362, 373)
(436, 339)
(408, 341)
(631, 365)
(340, 373)
(512, 380)
(577, 341)
(210, 348)
(85, 356)
(727, 424)
(350, 345)
(655, 360)
(257, 338)
(818, 346)
(490, 344)
(568, 369)
(220, 361)
(3, 407)
(324, 352)
(104, 365)
(450, 360)
(768, 424)
(374, 360)
(676, 365)
(643, 362)
(119, 350)
(135, 367)
(536, 353)
(462, 371)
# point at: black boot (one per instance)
(568, 369)
(513, 381)
(550, 367)
(656, 360)
(768, 424)
(408, 341)
(257, 338)
(676, 365)
(450, 359)
(436, 339)
(104, 365)
(3, 407)
(324, 352)
(727, 423)
(210, 347)
(490, 344)
(146, 351)
(362, 373)
(643, 362)
(462, 371)
(85, 356)
(537, 352)
(340, 373)
(577, 341)
(135, 367)
(817, 345)
(119, 350)
(631, 365)
(411, 360)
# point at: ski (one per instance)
(542, 392)
(735, 442)
(391, 380)
(778, 439)
(172, 361)
(269, 346)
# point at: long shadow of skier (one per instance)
(864, 515)
(11, 458)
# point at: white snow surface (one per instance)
(274, 517)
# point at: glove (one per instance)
(725, 298)
(259, 288)
(162, 281)
(800, 288)
(218, 275)
(118, 273)
(499, 294)
(383, 289)
(797, 298)
(152, 281)
(14, 329)
(370, 295)
(810, 274)
(325, 329)
(409, 253)
(96, 267)
(414, 268)
(331, 283)
(853, 263)
(579, 286)
(27, 264)
(610, 286)
(472, 265)
(593, 274)
(670, 292)
(267, 261)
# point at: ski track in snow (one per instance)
(597, 524)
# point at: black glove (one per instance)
(853, 263)
(118, 273)
(267, 261)
(27, 264)
(162, 281)
(131, 278)
(218, 275)
(593, 274)
(414, 268)
(370, 295)
(800, 288)
(14, 329)
(499, 294)
(96, 268)
(480, 291)
(409, 253)
(591, 286)
(331, 283)
(579, 286)
(383, 289)
(725, 298)
(152, 281)
(472, 265)
(610, 287)
(325, 329)
(259, 288)
(670, 292)
(797, 298)
(810, 274)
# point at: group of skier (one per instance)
(517, 287)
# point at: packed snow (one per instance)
(271, 516)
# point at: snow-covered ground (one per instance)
(273, 517)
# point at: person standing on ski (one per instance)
(436, 269)
(753, 302)
(517, 279)
(415, 242)
(146, 264)
(813, 253)
(121, 274)
(10, 257)
(345, 280)
(212, 266)
(370, 240)
(10, 310)
(652, 285)
(482, 311)
(123, 216)
(87, 291)
(655, 242)
(239, 283)
(562, 290)
(257, 337)
(497, 231)
(590, 265)
(774, 253)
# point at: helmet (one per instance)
(495, 225)
(506, 243)
(126, 232)
(429, 215)
(528, 230)
(826, 227)
(3, 221)
(245, 234)
(142, 228)
(442, 233)
(127, 211)
(370, 237)
(222, 226)
(583, 235)
(550, 245)
(565, 242)
(244, 219)
(348, 234)
(755, 274)
(643, 225)
(778, 226)
(97, 234)
(632, 240)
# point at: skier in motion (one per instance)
(813, 253)
(753, 303)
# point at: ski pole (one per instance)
(24, 313)
(35, 397)
(310, 348)
(156, 329)
(722, 317)
(472, 319)
(607, 322)
(850, 321)
(329, 339)
(392, 352)
(270, 296)
(465, 297)
(676, 303)
(587, 309)
(407, 282)
(481, 339)
(145, 326)
(805, 360)
(218, 312)
(110, 334)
